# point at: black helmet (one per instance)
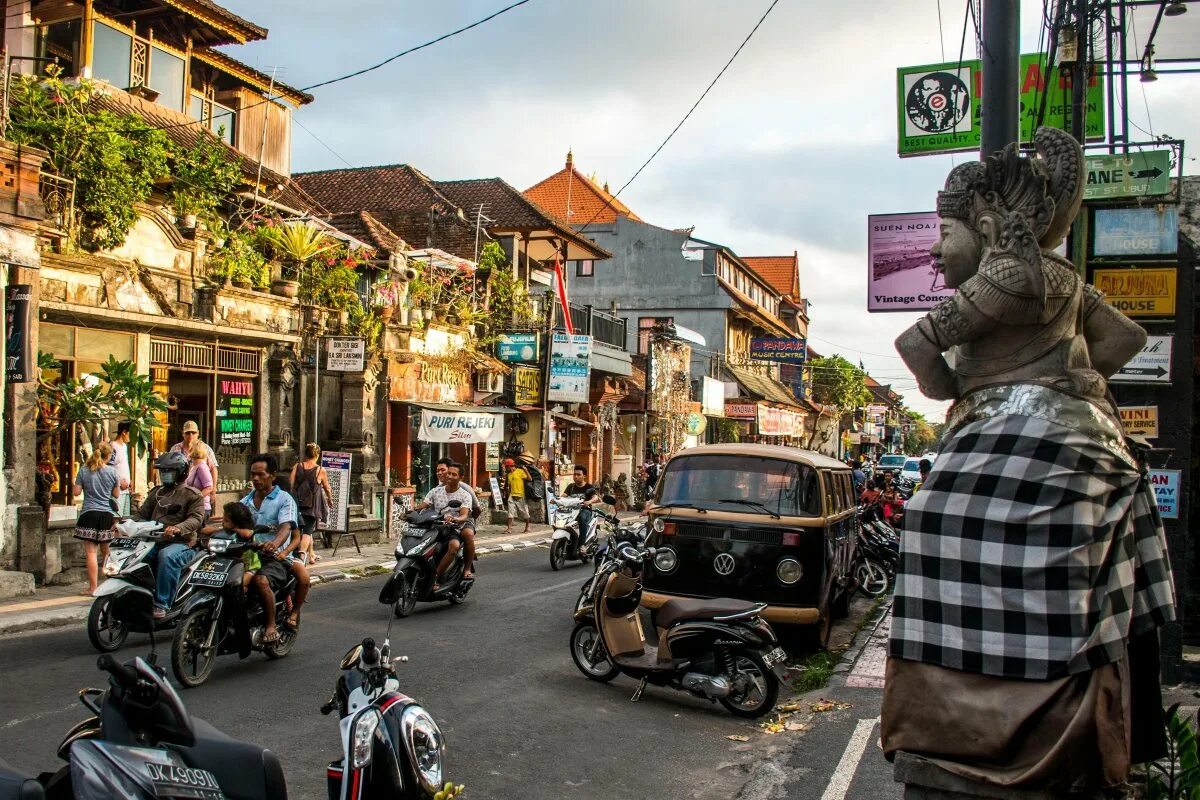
(171, 467)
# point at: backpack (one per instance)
(306, 489)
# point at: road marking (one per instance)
(535, 592)
(839, 783)
(49, 602)
(12, 723)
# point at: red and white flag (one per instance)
(560, 284)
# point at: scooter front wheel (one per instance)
(191, 661)
(755, 687)
(558, 554)
(872, 578)
(590, 655)
(406, 597)
(105, 632)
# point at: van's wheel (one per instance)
(755, 687)
(558, 554)
(105, 632)
(191, 661)
(590, 655)
(406, 597)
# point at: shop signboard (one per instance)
(492, 457)
(19, 365)
(527, 386)
(570, 368)
(696, 424)
(235, 413)
(1143, 173)
(901, 274)
(1165, 483)
(1123, 232)
(779, 422)
(466, 427)
(337, 467)
(1138, 292)
(741, 410)
(877, 413)
(1140, 420)
(778, 348)
(1152, 365)
(419, 382)
(497, 498)
(345, 353)
(515, 347)
(939, 109)
(712, 397)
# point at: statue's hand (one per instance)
(940, 389)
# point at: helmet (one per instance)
(171, 467)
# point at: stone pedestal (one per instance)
(282, 421)
(924, 780)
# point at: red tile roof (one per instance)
(571, 196)
(366, 228)
(782, 272)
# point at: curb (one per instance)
(864, 635)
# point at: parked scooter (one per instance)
(877, 553)
(566, 527)
(418, 554)
(217, 617)
(633, 533)
(720, 649)
(125, 600)
(391, 746)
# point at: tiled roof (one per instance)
(571, 196)
(365, 227)
(762, 387)
(391, 187)
(230, 64)
(185, 132)
(782, 272)
(241, 29)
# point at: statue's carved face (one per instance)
(957, 252)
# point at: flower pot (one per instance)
(187, 221)
(285, 288)
(404, 316)
(386, 312)
(439, 313)
(241, 283)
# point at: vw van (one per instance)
(764, 523)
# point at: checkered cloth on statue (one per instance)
(1035, 549)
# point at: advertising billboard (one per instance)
(570, 368)
(901, 273)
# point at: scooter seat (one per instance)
(680, 609)
(15, 786)
(245, 771)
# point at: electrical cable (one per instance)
(321, 142)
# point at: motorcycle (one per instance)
(418, 553)
(392, 746)
(142, 744)
(720, 650)
(877, 553)
(633, 533)
(566, 528)
(218, 617)
(125, 600)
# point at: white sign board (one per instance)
(337, 467)
(497, 498)
(1152, 365)
(468, 427)
(345, 354)
(570, 368)
(712, 397)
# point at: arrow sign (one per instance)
(1141, 174)
(1152, 365)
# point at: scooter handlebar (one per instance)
(126, 676)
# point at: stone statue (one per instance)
(1033, 572)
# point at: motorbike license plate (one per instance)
(776, 656)
(213, 576)
(124, 543)
(179, 781)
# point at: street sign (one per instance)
(1165, 483)
(1140, 174)
(345, 353)
(1152, 365)
(1138, 292)
(1150, 231)
(517, 347)
(1140, 420)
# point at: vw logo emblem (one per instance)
(723, 564)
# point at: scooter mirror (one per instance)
(609, 500)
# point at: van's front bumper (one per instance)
(788, 615)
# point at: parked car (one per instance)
(892, 462)
(755, 522)
(912, 469)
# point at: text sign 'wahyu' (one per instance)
(1138, 292)
(1140, 420)
(1152, 365)
(1140, 174)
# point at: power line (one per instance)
(321, 142)
(657, 150)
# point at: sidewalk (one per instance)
(55, 606)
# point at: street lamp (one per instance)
(1175, 9)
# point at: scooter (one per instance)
(633, 533)
(217, 617)
(125, 599)
(566, 528)
(391, 746)
(720, 649)
(418, 554)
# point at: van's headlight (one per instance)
(665, 560)
(362, 738)
(425, 747)
(659, 524)
(788, 571)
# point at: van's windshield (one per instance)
(746, 484)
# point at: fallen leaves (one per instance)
(737, 737)
(822, 706)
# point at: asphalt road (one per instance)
(520, 720)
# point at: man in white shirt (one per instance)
(439, 499)
(120, 462)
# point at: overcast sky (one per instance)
(791, 151)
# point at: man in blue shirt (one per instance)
(274, 508)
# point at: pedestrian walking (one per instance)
(199, 476)
(120, 462)
(314, 496)
(191, 438)
(518, 509)
(100, 486)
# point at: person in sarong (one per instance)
(1034, 570)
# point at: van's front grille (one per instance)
(755, 535)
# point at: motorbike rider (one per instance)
(439, 499)
(579, 486)
(180, 509)
(274, 508)
(468, 532)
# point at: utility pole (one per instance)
(1000, 112)
(1081, 72)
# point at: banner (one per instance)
(337, 467)
(468, 427)
(527, 386)
(779, 422)
(518, 347)
(20, 365)
(902, 275)
(570, 368)
(775, 348)
(1138, 292)
(712, 397)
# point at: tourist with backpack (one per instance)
(314, 496)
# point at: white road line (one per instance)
(535, 592)
(839, 783)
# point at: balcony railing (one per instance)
(58, 195)
(600, 326)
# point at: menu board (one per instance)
(235, 413)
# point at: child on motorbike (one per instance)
(237, 519)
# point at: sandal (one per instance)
(292, 623)
(271, 638)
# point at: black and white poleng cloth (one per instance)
(1032, 551)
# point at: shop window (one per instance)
(166, 77)
(112, 51)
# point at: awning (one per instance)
(762, 387)
(572, 420)
(473, 409)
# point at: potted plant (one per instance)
(295, 244)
